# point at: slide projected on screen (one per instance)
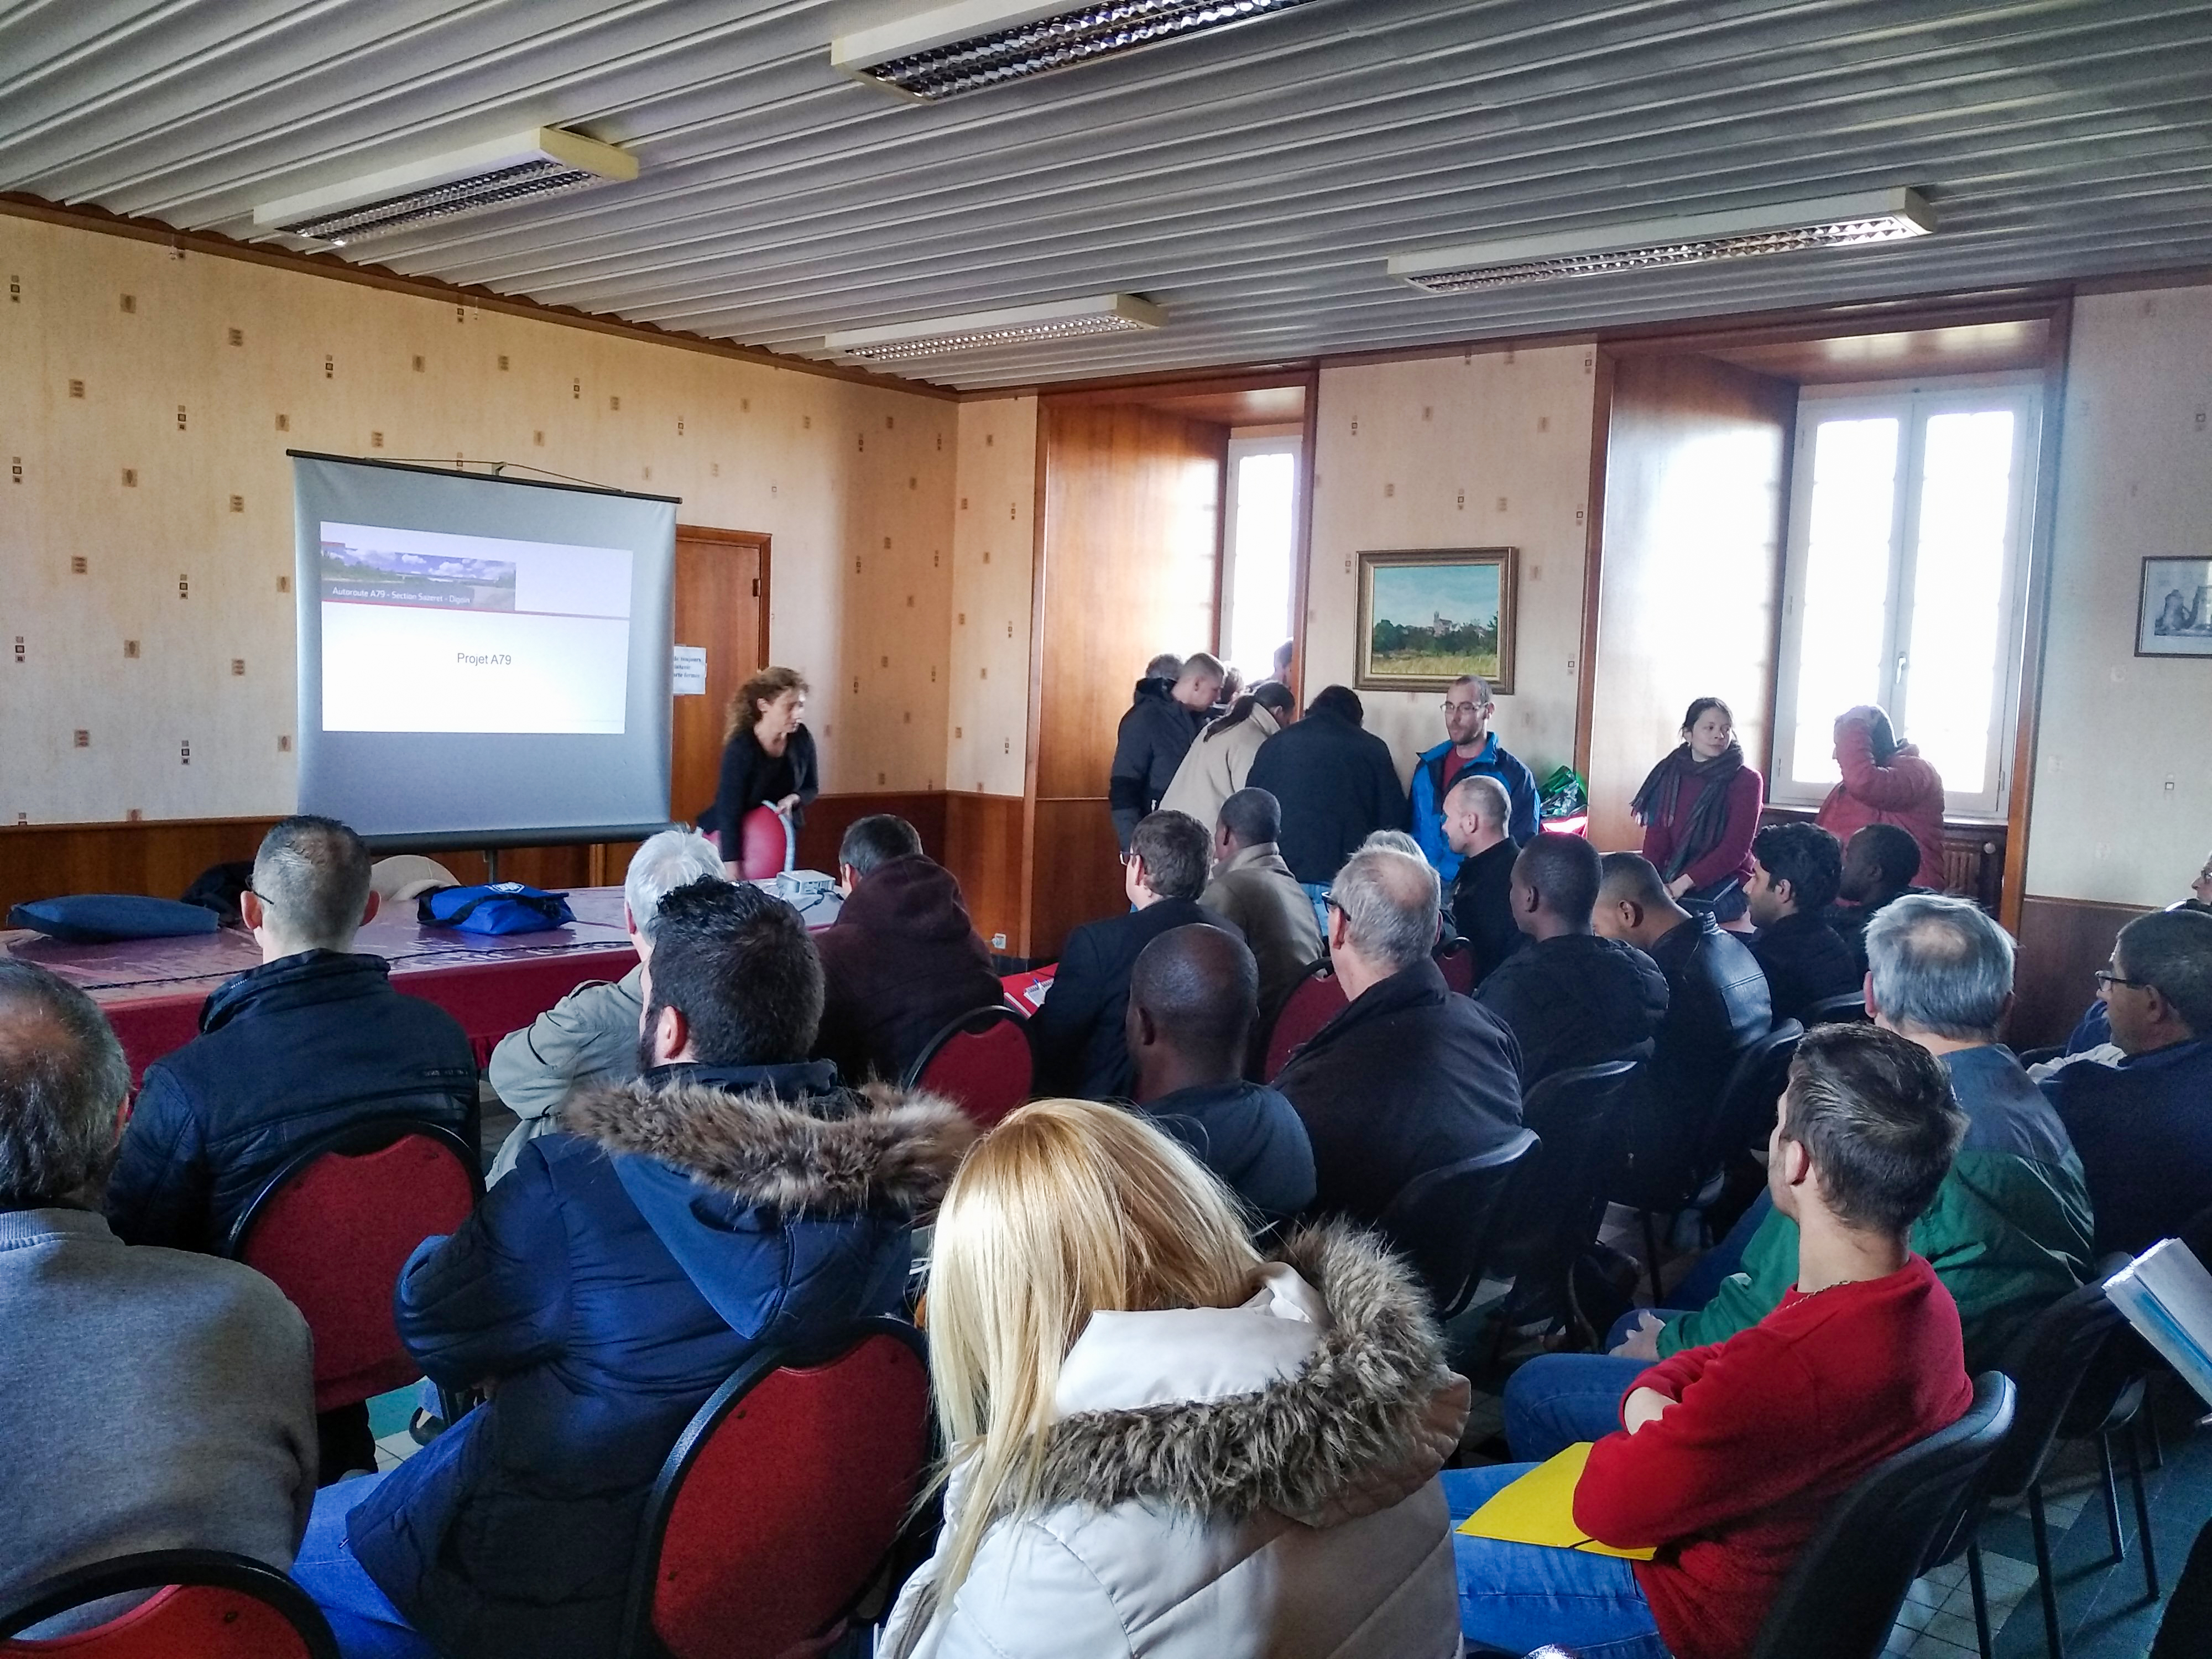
(424, 631)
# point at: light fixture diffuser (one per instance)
(543, 161)
(1054, 319)
(1884, 216)
(974, 43)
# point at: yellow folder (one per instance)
(1539, 1509)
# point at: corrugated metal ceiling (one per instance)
(1251, 183)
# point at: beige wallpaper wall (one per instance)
(2121, 811)
(993, 546)
(1472, 450)
(146, 402)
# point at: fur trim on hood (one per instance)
(1367, 1422)
(874, 1147)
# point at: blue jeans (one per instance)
(1519, 1596)
(363, 1617)
(1318, 892)
(1558, 1398)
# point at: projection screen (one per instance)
(483, 662)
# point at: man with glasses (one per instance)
(2143, 1126)
(1470, 749)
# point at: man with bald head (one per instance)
(1476, 814)
(1409, 1078)
(1194, 998)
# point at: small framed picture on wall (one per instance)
(1427, 617)
(2175, 618)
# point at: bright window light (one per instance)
(1957, 591)
(1846, 584)
(1262, 518)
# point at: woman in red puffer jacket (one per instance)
(1885, 781)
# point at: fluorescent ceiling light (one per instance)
(543, 161)
(1055, 319)
(1882, 216)
(974, 43)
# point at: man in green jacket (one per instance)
(2009, 1231)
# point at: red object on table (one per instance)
(1026, 990)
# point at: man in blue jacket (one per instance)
(729, 1201)
(1470, 748)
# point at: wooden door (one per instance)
(720, 606)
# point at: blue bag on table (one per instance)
(506, 907)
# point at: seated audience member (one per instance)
(590, 1035)
(1077, 1035)
(1253, 890)
(1716, 1003)
(313, 1039)
(1219, 761)
(731, 1200)
(1884, 781)
(1570, 997)
(1726, 1456)
(2144, 1126)
(1410, 1077)
(1795, 868)
(2093, 1036)
(164, 1401)
(1482, 892)
(1193, 999)
(1169, 706)
(901, 962)
(1699, 808)
(1470, 748)
(1162, 1443)
(1879, 862)
(2008, 1232)
(1334, 782)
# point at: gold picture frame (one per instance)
(1428, 617)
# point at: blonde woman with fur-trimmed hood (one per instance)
(1161, 1444)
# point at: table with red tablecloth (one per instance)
(152, 989)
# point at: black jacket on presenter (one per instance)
(752, 777)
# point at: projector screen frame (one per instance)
(484, 839)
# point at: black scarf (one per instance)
(1656, 801)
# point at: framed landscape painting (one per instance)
(1426, 619)
(2175, 618)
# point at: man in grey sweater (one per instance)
(171, 1392)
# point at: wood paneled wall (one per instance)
(1696, 477)
(1130, 542)
(2063, 942)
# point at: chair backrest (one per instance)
(334, 1226)
(1841, 1598)
(2049, 1361)
(1845, 1008)
(207, 1604)
(1558, 1196)
(1455, 960)
(1745, 1113)
(1315, 1000)
(980, 1062)
(1441, 1220)
(766, 846)
(782, 1499)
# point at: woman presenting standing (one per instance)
(768, 759)
(1699, 808)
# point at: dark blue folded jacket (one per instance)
(286, 1051)
(687, 1221)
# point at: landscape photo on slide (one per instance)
(374, 575)
(1428, 618)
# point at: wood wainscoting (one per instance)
(2063, 942)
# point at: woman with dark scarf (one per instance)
(1699, 808)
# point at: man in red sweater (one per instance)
(1728, 1456)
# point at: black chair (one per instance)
(1556, 1198)
(1441, 1220)
(1841, 1598)
(219, 1606)
(1845, 1008)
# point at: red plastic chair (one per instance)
(766, 845)
(207, 1604)
(1314, 1001)
(334, 1225)
(980, 1062)
(1455, 960)
(777, 1510)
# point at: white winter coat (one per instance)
(1231, 1483)
(1213, 770)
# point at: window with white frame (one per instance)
(1909, 517)
(1259, 536)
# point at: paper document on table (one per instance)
(1539, 1509)
(2168, 1296)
